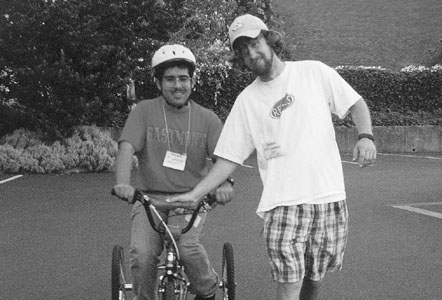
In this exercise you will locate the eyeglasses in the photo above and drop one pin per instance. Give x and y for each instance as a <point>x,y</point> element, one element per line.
<point>171,80</point>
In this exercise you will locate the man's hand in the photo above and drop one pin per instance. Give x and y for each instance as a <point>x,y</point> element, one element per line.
<point>186,200</point>
<point>224,193</point>
<point>364,152</point>
<point>125,192</point>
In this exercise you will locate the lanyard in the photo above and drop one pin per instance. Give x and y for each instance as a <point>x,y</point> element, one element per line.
<point>188,129</point>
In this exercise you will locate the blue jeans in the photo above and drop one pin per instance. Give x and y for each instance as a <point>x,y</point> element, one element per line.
<point>146,248</point>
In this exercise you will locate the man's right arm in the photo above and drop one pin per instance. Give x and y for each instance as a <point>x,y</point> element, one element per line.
<point>123,168</point>
<point>217,175</point>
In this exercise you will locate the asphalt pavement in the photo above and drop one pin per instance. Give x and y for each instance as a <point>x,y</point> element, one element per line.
<point>57,234</point>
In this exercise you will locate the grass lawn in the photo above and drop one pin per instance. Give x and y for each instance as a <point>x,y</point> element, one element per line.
<point>387,33</point>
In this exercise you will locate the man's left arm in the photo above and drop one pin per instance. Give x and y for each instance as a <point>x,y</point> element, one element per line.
<point>364,151</point>
<point>224,192</point>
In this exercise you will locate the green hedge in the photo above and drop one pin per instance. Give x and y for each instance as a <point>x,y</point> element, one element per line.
<point>417,90</point>
<point>412,96</point>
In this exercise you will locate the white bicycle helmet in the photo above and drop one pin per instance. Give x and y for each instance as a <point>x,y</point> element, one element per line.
<point>172,53</point>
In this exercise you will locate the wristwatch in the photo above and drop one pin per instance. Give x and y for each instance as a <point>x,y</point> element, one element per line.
<point>366,136</point>
<point>231,181</point>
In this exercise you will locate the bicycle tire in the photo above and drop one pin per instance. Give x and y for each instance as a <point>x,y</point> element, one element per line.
<point>228,272</point>
<point>169,290</point>
<point>118,274</point>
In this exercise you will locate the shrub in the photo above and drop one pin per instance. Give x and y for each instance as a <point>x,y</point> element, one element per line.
<point>10,159</point>
<point>93,148</point>
<point>21,139</point>
<point>49,161</point>
<point>89,148</point>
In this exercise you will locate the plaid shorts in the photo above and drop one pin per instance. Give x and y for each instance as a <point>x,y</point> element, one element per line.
<point>306,241</point>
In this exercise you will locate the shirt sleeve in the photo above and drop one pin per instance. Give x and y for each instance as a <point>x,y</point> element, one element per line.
<point>215,127</point>
<point>134,129</point>
<point>235,143</point>
<point>342,95</point>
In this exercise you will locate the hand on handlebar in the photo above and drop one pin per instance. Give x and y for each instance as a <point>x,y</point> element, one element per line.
<point>224,194</point>
<point>178,207</point>
<point>186,200</point>
<point>125,192</point>
<point>179,203</point>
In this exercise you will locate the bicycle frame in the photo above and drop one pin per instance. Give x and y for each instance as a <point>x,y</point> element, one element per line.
<point>173,281</point>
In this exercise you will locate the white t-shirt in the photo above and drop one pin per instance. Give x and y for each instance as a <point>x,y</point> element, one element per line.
<point>291,115</point>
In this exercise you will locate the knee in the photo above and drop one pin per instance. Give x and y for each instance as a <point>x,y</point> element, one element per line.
<point>144,255</point>
<point>190,249</point>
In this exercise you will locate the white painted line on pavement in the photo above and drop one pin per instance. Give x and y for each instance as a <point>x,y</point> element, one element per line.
<point>11,178</point>
<point>424,204</point>
<point>419,211</point>
<point>350,162</point>
<point>413,156</point>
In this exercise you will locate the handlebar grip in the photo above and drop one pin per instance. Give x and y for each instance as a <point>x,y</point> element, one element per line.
<point>211,198</point>
<point>113,193</point>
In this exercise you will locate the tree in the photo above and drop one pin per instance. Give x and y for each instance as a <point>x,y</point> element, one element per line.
<point>66,62</point>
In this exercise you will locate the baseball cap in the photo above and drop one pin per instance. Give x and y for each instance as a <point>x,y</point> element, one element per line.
<point>246,25</point>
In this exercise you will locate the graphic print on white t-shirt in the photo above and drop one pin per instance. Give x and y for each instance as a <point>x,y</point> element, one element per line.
<point>281,105</point>
<point>273,146</point>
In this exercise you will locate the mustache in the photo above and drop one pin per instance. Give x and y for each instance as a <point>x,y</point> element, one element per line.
<point>179,90</point>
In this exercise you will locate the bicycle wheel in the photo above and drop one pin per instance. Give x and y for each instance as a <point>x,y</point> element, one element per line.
<point>118,281</point>
<point>169,290</point>
<point>228,273</point>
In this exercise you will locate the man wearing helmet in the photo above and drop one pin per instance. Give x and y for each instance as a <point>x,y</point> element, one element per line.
<point>172,137</point>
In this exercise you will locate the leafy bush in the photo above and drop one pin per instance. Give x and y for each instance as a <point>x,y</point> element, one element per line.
<point>412,96</point>
<point>12,160</point>
<point>22,139</point>
<point>89,148</point>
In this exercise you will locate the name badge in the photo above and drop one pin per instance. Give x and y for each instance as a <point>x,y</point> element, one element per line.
<point>175,161</point>
<point>272,150</point>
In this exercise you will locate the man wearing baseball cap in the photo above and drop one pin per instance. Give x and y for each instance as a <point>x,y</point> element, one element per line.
<point>285,114</point>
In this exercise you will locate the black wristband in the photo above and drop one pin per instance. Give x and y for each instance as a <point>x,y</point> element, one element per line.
<point>230,180</point>
<point>366,136</point>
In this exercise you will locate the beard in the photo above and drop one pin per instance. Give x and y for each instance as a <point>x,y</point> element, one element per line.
<point>262,66</point>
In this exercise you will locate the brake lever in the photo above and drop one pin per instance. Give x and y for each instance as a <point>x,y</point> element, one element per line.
<point>138,196</point>
<point>208,202</point>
